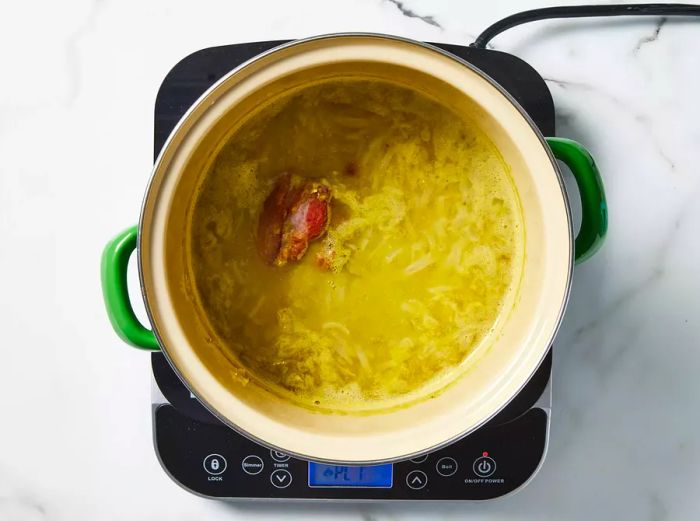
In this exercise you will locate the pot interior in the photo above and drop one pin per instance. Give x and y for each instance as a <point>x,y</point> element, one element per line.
<point>495,372</point>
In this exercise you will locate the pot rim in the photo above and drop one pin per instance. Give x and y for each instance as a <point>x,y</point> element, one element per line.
<point>184,120</point>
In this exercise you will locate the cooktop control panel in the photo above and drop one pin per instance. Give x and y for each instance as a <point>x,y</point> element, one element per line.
<point>215,461</point>
<point>206,457</point>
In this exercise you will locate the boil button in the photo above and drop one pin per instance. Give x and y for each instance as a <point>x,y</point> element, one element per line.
<point>484,466</point>
<point>446,466</point>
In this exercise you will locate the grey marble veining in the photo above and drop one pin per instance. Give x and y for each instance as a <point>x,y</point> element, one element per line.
<point>76,105</point>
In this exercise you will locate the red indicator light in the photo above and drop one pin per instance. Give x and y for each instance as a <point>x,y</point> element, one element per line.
<point>485,454</point>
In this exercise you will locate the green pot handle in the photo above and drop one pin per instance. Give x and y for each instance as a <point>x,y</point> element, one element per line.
<point>594,209</point>
<point>115,260</point>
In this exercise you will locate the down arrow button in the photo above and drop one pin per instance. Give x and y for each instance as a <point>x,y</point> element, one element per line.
<point>281,478</point>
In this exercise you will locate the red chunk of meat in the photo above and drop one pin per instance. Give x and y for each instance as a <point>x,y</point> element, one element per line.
<point>272,216</point>
<point>294,214</point>
<point>316,217</point>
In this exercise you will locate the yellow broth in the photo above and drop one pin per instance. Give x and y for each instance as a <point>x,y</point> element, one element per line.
<point>426,228</point>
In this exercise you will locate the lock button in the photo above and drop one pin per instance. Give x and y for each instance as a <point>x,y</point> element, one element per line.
<point>215,464</point>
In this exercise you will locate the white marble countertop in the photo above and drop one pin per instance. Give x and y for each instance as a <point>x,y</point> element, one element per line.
<point>76,104</point>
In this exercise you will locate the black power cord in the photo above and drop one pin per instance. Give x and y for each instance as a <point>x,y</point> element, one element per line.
<point>584,11</point>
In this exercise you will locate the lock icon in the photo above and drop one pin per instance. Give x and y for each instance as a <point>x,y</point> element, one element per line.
<point>215,464</point>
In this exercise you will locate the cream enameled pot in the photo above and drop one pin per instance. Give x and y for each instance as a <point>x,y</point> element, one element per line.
<point>494,377</point>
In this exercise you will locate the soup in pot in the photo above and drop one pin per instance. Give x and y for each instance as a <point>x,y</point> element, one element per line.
<point>355,244</point>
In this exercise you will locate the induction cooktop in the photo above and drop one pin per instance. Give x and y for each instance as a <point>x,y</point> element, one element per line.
<point>209,459</point>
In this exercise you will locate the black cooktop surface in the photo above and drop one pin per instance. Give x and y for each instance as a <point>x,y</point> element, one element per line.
<point>208,458</point>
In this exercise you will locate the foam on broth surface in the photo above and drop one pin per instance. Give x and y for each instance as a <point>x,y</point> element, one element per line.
<point>426,234</point>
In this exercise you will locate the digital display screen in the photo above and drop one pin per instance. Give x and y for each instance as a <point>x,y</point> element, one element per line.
<point>374,476</point>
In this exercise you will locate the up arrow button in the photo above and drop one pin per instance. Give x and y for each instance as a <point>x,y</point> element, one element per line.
<point>416,479</point>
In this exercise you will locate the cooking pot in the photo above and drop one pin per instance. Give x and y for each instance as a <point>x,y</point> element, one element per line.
<point>491,379</point>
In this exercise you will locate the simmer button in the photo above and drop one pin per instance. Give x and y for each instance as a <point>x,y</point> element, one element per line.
<point>252,464</point>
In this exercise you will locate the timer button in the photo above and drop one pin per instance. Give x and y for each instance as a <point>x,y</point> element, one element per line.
<point>281,478</point>
<point>484,466</point>
<point>446,466</point>
<point>416,479</point>
<point>215,464</point>
<point>252,465</point>
<point>420,459</point>
<point>279,456</point>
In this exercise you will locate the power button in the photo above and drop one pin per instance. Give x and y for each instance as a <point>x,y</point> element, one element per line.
<point>484,466</point>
